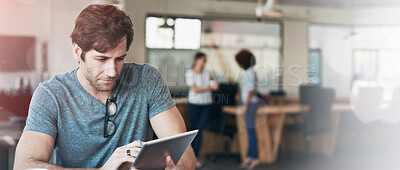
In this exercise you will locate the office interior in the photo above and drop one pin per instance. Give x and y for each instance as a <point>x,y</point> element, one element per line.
<point>350,47</point>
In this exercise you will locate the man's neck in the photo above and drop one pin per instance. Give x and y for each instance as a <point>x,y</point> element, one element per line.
<point>98,95</point>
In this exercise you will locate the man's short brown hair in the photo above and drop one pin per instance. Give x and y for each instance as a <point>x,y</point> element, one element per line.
<point>102,28</point>
<point>245,59</point>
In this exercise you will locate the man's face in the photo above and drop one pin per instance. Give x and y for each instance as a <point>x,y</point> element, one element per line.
<point>101,70</point>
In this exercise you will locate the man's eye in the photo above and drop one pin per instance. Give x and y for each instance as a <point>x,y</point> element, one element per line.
<point>102,59</point>
<point>120,59</point>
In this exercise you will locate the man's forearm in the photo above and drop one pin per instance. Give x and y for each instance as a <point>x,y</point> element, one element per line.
<point>40,164</point>
<point>200,90</point>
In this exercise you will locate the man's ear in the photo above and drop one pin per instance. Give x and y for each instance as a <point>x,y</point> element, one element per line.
<point>77,52</point>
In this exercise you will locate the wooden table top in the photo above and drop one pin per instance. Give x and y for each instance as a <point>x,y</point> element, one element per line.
<point>338,98</point>
<point>285,109</point>
<point>288,99</point>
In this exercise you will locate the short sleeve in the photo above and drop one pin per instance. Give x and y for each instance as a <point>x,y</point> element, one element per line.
<point>159,97</point>
<point>43,111</point>
<point>251,80</point>
<point>189,78</point>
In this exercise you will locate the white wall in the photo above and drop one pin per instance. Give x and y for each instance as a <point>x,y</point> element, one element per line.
<point>336,56</point>
<point>49,21</point>
<point>295,54</point>
<point>25,18</point>
<point>64,13</point>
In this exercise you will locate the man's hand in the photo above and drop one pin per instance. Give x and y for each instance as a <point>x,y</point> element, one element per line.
<point>169,163</point>
<point>121,156</point>
<point>214,87</point>
<point>163,127</point>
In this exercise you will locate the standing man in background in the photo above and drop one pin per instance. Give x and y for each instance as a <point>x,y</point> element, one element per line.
<point>90,116</point>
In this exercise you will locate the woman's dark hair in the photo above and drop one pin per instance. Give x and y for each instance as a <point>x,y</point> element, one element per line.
<point>102,28</point>
<point>245,59</point>
<point>197,56</point>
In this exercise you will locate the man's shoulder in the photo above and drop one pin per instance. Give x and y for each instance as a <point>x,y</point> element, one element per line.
<point>142,70</point>
<point>144,66</point>
<point>60,81</point>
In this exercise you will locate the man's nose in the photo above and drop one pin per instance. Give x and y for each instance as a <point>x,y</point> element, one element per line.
<point>111,69</point>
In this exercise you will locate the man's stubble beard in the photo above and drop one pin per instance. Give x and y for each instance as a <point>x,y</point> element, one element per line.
<point>98,87</point>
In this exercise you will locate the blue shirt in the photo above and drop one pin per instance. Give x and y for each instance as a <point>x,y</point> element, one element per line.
<point>63,109</point>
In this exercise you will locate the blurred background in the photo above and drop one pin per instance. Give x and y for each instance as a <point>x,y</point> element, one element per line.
<point>349,46</point>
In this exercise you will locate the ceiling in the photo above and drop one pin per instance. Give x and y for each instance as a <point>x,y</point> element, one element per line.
<point>342,4</point>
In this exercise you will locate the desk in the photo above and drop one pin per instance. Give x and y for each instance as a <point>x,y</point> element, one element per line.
<point>269,135</point>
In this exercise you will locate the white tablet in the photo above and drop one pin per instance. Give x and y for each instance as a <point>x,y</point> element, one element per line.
<point>153,153</point>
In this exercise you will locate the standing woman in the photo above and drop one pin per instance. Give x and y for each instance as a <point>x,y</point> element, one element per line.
<point>200,99</point>
<point>249,102</point>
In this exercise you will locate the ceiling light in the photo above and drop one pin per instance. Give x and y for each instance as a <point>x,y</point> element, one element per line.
<point>165,25</point>
<point>353,35</point>
<point>269,10</point>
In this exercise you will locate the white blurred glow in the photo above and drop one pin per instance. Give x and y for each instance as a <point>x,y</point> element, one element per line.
<point>367,67</point>
<point>365,99</point>
<point>353,35</point>
<point>158,37</point>
<point>187,33</point>
<point>170,21</point>
<point>369,105</point>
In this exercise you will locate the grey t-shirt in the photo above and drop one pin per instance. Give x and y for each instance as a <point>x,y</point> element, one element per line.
<point>64,110</point>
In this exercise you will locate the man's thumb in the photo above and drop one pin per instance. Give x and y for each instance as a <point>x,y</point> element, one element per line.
<point>170,163</point>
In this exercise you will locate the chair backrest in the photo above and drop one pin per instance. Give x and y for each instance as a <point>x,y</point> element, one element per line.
<point>318,119</point>
<point>218,121</point>
<point>225,95</point>
<point>307,93</point>
<point>366,104</point>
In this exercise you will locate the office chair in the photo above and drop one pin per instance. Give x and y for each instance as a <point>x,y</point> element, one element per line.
<point>317,119</point>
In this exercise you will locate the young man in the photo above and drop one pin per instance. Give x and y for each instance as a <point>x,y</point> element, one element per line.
<point>90,116</point>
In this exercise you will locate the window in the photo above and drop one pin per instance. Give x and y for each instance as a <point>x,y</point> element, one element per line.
<point>170,33</point>
<point>365,63</point>
<point>156,37</point>
<point>314,68</point>
<point>187,33</point>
